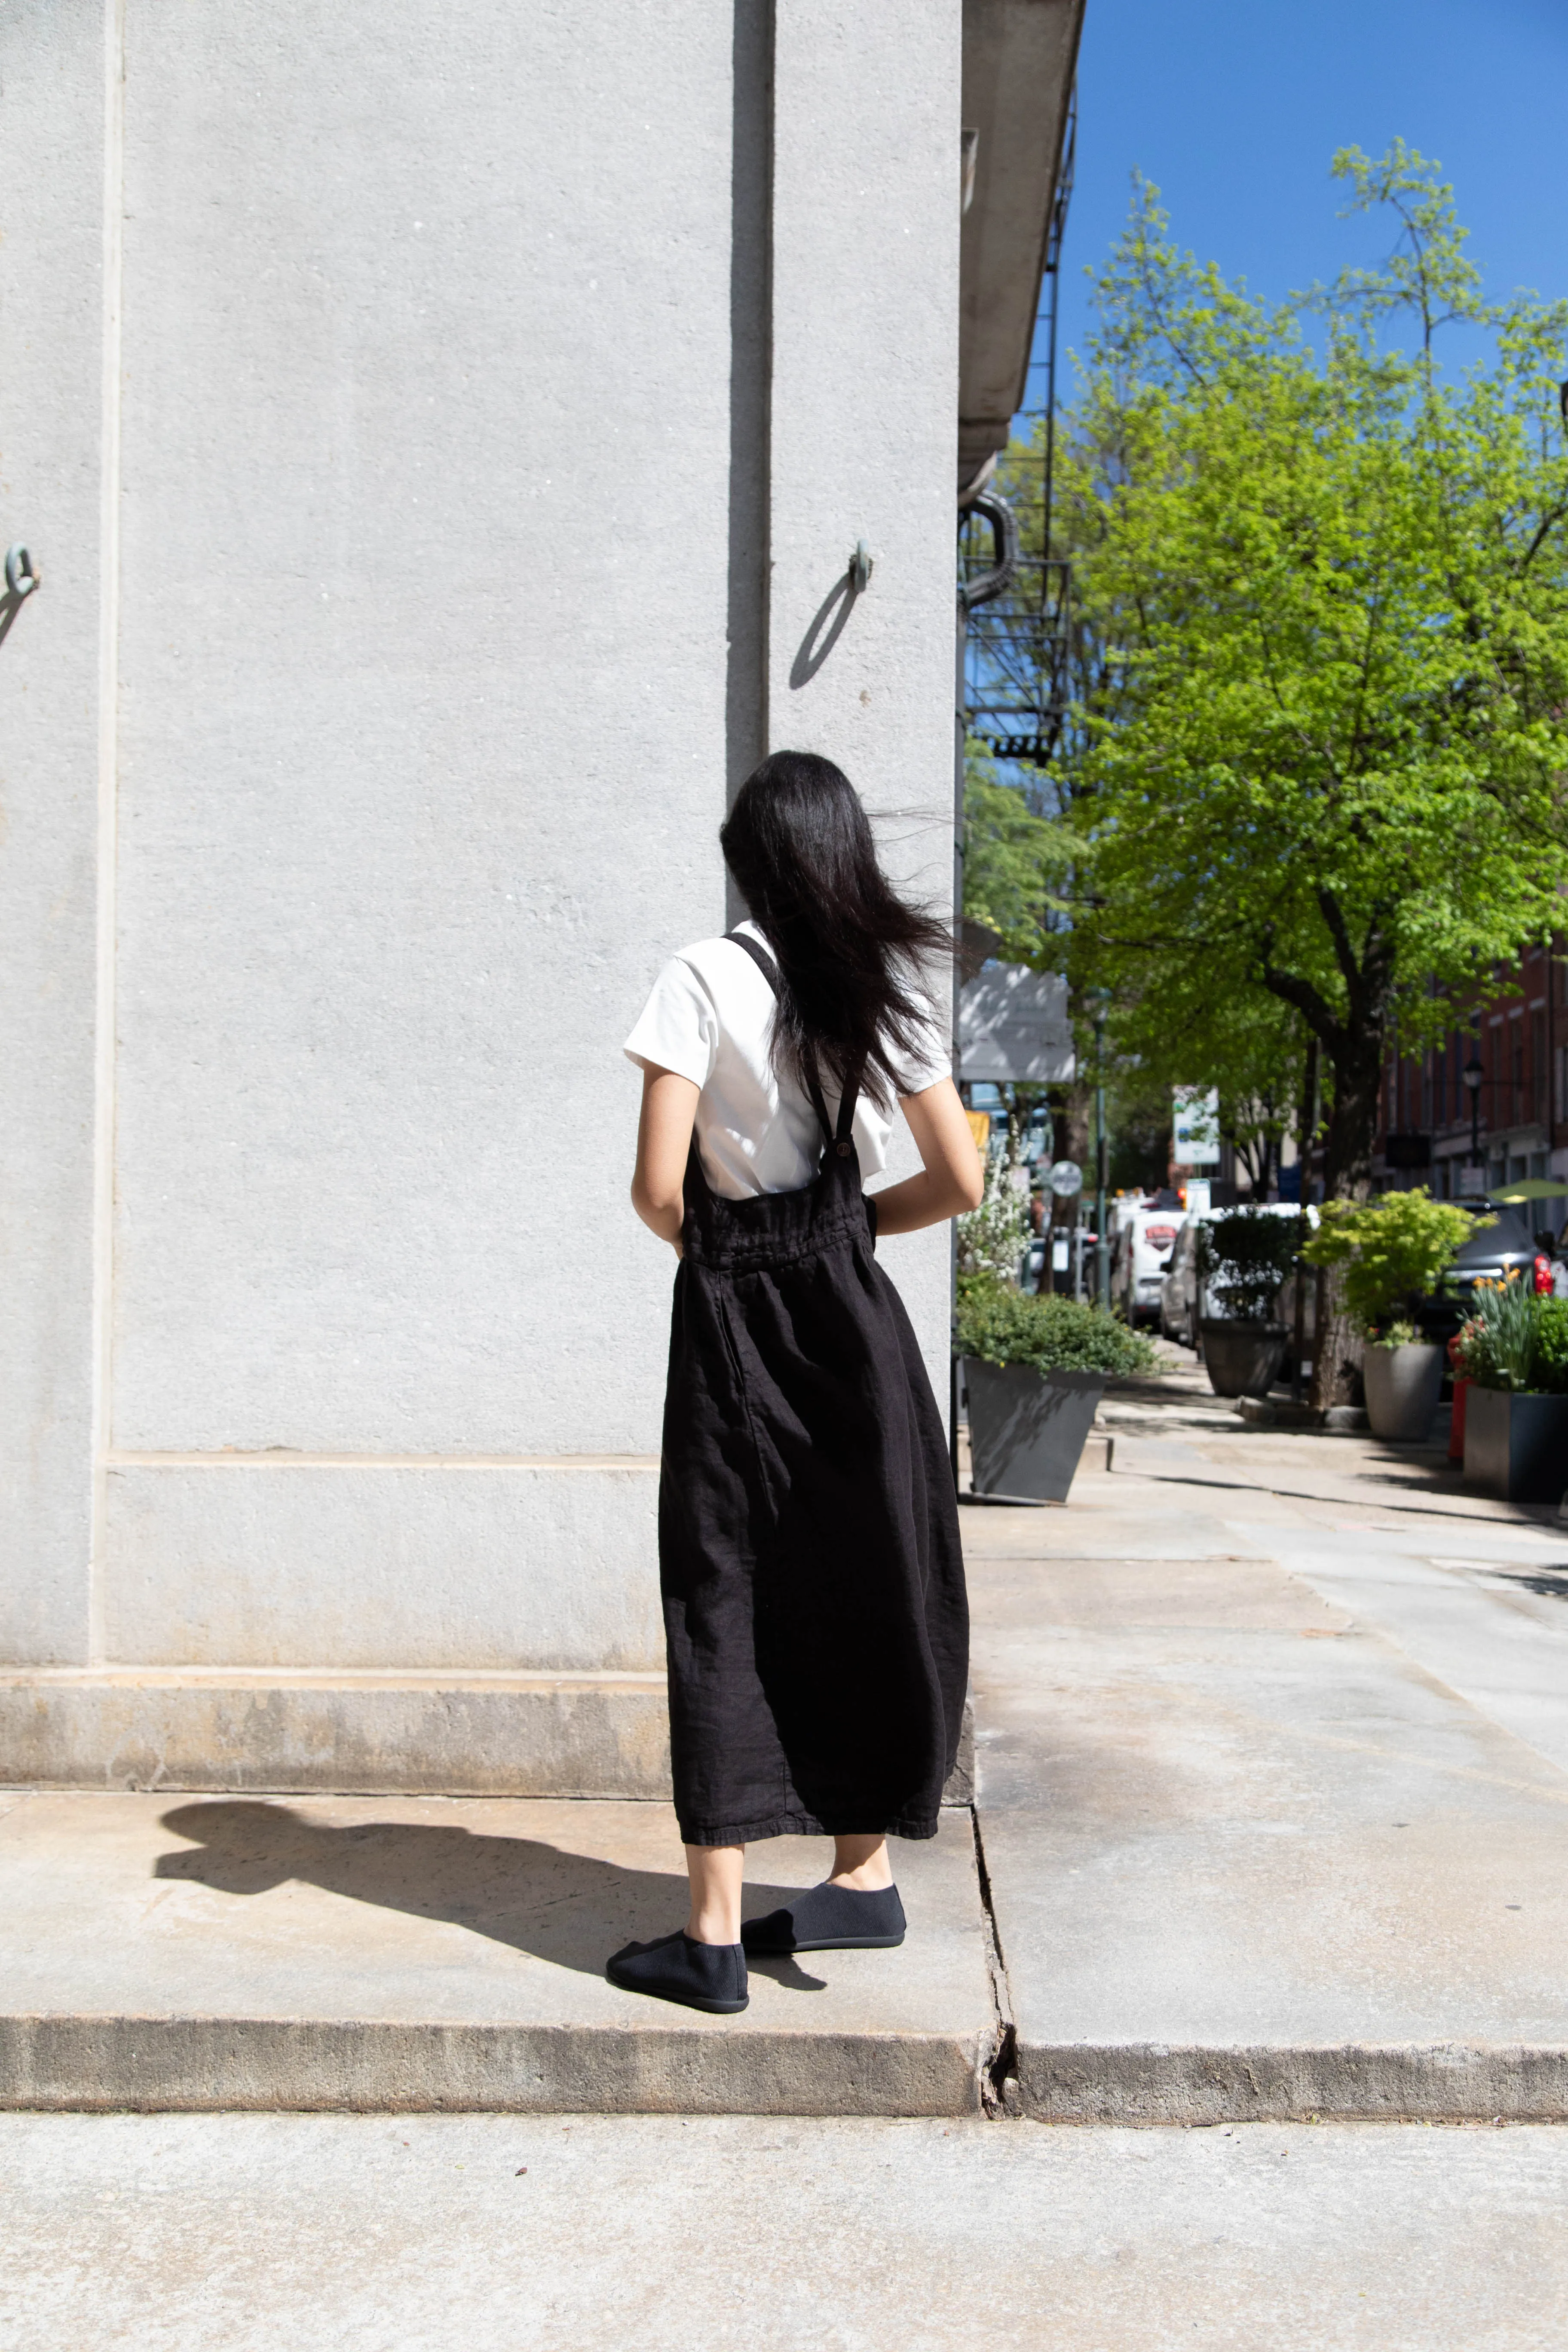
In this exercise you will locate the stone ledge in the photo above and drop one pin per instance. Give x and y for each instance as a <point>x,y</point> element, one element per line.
<point>458,1735</point>
<point>370,1732</point>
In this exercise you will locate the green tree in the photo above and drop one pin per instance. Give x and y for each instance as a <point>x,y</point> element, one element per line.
<point>1322,728</point>
<point>1015,865</point>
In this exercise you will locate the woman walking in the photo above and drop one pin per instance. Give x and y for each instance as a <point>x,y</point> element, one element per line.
<point>813,1601</point>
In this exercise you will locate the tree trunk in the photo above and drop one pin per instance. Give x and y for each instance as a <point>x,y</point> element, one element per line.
<point>1354,1046</point>
<point>1309,1114</point>
<point>1347,1176</point>
<point>1072,1143</point>
<point>1352,1120</point>
<point>1336,1347</point>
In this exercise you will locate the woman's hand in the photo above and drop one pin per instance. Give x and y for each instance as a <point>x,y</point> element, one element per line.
<point>952,1177</point>
<point>664,1139</point>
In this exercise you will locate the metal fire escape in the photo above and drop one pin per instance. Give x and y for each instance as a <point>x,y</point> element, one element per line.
<point>1016,594</point>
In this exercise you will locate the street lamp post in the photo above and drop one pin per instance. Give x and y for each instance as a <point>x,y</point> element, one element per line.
<point>1474,1076</point>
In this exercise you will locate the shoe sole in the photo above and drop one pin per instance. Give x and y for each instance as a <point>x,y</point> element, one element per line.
<point>680,2000</point>
<point>825,1944</point>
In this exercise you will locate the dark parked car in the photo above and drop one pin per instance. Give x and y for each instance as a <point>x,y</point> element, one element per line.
<point>1509,1245</point>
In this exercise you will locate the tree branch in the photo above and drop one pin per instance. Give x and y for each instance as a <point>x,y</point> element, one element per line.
<point>1344,954</point>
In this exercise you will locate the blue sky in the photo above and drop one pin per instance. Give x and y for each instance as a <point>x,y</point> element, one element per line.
<point>1235,106</point>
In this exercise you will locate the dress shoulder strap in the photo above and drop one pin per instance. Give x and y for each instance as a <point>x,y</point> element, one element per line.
<point>770,972</point>
<point>759,956</point>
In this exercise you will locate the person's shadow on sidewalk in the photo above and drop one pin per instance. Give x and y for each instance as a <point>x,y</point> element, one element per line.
<point>565,1907</point>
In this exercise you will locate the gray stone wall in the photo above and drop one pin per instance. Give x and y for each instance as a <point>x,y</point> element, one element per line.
<point>439,431</point>
<point>52,107</point>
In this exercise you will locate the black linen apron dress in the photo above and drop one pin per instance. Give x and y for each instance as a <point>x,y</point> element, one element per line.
<point>815,1617</point>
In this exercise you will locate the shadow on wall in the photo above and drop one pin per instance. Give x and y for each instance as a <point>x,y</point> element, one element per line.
<point>827,626</point>
<point>568,1908</point>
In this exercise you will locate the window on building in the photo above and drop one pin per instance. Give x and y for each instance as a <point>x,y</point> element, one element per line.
<point>1538,1106</point>
<point>1562,1082</point>
<point>1516,1068</point>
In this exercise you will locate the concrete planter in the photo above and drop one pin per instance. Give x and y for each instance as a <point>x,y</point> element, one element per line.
<point>1243,1359</point>
<point>1026,1429</point>
<point>1402,1388</point>
<point>1517,1446</point>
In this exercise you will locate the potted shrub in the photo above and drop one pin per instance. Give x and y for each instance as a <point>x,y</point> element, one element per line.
<point>1035,1368</point>
<point>1243,1259</point>
<point>1391,1253</point>
<point>1513,1350</point>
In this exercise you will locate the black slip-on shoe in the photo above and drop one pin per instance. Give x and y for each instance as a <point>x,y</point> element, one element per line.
<point>830,1918</point>
<point>701,1975</point>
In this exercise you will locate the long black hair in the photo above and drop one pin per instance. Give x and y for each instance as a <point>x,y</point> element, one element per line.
<point>848,948</point>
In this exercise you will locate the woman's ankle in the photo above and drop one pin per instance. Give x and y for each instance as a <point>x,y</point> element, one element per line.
<point>716,1875</point>
<point>703,1927</point>
<point>861,1873</point>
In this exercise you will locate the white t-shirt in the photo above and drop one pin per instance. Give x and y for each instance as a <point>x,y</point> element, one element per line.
<point>709,1019</point>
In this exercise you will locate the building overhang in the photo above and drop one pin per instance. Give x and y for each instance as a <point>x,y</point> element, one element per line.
<point>1019,60</point>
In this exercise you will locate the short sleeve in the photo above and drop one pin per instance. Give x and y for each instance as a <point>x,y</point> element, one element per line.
<point>678,1028</point>
<point>932,1061</point>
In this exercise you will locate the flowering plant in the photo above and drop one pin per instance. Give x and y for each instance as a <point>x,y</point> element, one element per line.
<point>1514,1338</point>
<point>992,1238</point>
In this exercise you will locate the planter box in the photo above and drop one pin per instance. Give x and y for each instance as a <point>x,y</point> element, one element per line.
<point>1026,1429</point>
<point>1517,1446</point>
<point>1243,1359</point>
<point>1402,1388</point>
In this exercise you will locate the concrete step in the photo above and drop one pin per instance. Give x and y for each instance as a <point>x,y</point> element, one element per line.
<point>460,1732</point>
<point>433,1953</point>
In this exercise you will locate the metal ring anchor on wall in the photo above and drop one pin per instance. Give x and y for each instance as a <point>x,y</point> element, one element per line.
<point>21,573</point>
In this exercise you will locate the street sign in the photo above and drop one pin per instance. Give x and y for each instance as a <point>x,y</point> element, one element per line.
<point>1065,1178</point>
<point>1472,1182</point>
<point>1194,1126</point>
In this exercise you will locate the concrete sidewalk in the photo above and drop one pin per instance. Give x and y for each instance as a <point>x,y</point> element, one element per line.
<point>1272,1772</point>
<point>730,2234</point>
<point>1272,1764</point>
<point>410,1953</point>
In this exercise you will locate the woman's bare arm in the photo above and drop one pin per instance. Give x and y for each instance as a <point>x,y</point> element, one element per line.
<point>663,1138</point>
<point>952,1177</point>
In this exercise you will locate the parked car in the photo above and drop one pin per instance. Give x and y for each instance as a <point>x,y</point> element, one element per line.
<point>1509,1245</point>
<point>1490,1256</point>
<point>1179,1285</point>
<point>1179,1288</point>
<point>1145,1239</point>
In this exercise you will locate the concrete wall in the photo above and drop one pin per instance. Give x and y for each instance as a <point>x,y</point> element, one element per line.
<point>52,101</point>
<point>864,390</point>
<point>483,402</point>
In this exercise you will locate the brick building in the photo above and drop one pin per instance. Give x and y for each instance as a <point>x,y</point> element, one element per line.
<point>1519,1033</point>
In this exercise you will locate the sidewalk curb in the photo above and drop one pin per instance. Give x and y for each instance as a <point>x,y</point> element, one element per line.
<point>171,2065</point>
<point>1440,2082</point>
